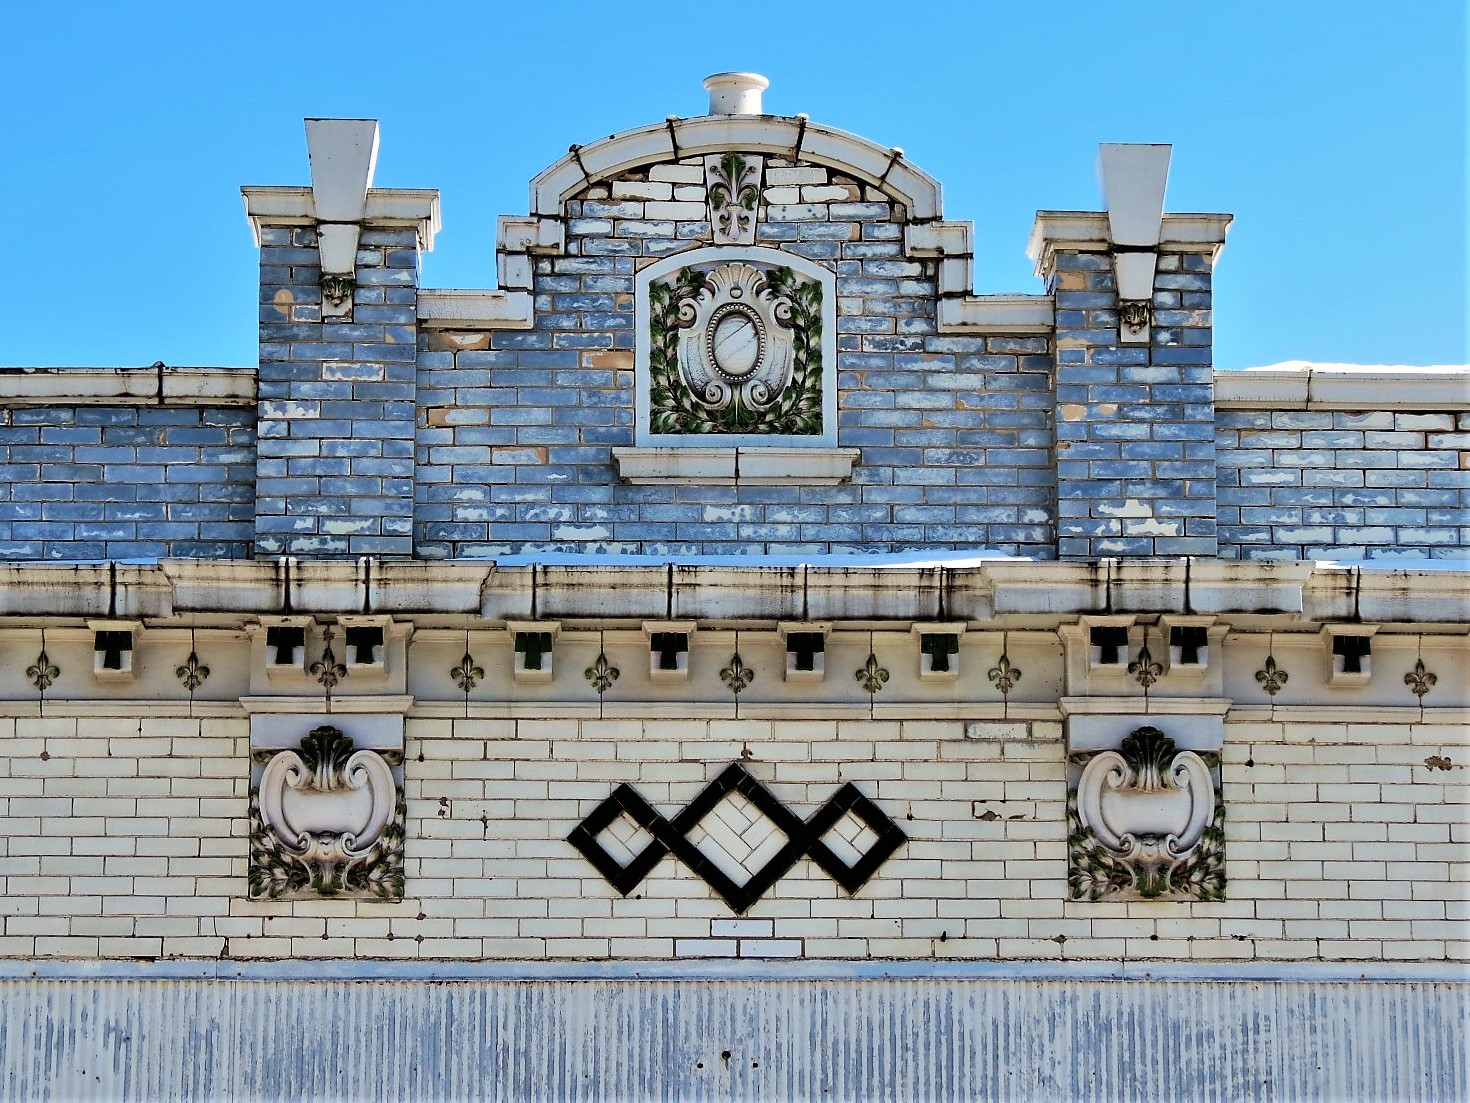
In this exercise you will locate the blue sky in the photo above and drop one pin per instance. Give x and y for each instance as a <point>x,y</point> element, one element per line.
<point>1335,132</point>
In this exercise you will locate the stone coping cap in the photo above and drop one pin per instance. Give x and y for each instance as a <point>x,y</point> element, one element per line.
<point>1088,232</point>
<point>1297,385</point>
<point>296,206</point>
<point>794,137</point>
<point>1301,385</point>
<point>155,384</point>
<point>1040,593</point>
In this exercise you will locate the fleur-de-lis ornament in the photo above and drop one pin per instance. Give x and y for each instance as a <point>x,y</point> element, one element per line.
<point>43,672</point>
<point>871,675</point>
<point>467,675</point>
<point>602,674</point>
<point>193,673</point>
<point>1004,675</point>
<point>1144,670</point>
<point>732,197</point>
<point>328,671</point>
<point>737,675</point>
<point>1420,680</point>
<point>1271,679</point>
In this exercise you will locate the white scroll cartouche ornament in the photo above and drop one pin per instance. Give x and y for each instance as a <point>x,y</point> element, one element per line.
<point>1149,804</point>
<point>737,344</point>
<point>327,812</point>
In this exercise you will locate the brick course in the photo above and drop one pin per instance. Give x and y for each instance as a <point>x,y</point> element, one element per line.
<point>1135,434</point>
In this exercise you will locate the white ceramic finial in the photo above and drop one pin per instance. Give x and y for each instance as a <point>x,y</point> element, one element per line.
<point>735,93</point>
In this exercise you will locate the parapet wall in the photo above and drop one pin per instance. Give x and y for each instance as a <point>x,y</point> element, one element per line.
<point>110,464</point>
<point>98,467</point>
<point>1344,464</point>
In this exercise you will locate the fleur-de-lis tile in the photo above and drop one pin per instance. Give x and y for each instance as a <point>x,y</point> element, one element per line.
<point>43,672</point>
<point>1419,680</point>
<point>467,675</point>
<point>1144,670</point>
<point>602,674</point>
<point>871,676</point>
<point>1004,675</point>
<point>737,675</point>
<point>1270,677</point>
<point>192,673</point>
<point>328,671</point>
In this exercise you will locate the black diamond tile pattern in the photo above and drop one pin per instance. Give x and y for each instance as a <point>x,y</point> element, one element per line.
<point>671,836</point>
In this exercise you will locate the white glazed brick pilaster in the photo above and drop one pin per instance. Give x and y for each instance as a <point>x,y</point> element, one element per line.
<point>1344,843</point>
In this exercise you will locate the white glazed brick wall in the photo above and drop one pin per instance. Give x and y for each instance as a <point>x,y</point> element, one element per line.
<point>127,838</point>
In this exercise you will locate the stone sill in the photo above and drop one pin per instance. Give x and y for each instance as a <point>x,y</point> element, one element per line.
<point>470,309</point>
<point>735,466</point>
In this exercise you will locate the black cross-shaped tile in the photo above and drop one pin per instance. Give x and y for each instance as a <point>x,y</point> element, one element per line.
<point>533,645</point>
<point>1109,641</point>
<point>112,645</point>
<point>1353,649</point>
<point>669,646</point>
<point>939,646</point>
<point>285,640</point>
<point>363,643</point>
<point>806,646</point>
<point>1190,639</point>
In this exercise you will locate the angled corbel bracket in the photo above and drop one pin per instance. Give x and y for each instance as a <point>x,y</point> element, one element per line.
<point>114,643</point>
<point>278,646</point>
<point>1109,643</point>
<point>1349,653</point>
<point>939,649</point>
<point>1189,642</point>
<point>368,641</point>
<point>343,153</point>
<point>1133,181</point>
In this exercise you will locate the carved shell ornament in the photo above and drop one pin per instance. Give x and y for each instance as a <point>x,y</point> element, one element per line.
<point>1149,805</point>
<point>328,805</point>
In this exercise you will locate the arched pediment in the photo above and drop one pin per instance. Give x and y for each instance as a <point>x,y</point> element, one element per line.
<point>794,138</point>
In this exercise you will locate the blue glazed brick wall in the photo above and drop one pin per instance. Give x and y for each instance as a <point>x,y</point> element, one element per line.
<point>334,474</point>
<point>1135,422</point>
<point>126,482</point>
<point>1302,484</point>
<point>515,428</point>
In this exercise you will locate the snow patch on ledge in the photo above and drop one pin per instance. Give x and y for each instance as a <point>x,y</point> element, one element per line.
<point>1405,562</point>
<point>969,557</point>
<point>1314,366</point>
